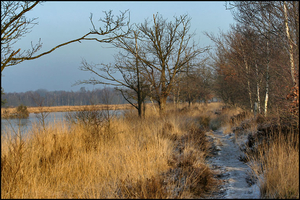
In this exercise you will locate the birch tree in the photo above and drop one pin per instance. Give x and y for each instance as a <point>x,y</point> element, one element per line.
<point>292,41</point>
<point>273,20</point>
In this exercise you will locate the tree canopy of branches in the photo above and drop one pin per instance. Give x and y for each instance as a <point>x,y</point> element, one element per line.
<point>194,85</point>
<point>167,50</point>
<point>279,18</point>
<point>131,85</point>
<point>257,60</point>
<point>162,50</point>
<point>15,25</point>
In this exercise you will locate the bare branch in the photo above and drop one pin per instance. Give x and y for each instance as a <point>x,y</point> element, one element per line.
<point>14,25</point>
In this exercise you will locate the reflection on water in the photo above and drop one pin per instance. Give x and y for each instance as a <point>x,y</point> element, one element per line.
<point>14,125</point>
<point>24,125</point>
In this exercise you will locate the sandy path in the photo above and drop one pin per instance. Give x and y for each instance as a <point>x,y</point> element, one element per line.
<point>230,170</point>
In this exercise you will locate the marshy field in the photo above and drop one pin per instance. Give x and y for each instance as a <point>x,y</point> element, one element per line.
<point>159,156</point>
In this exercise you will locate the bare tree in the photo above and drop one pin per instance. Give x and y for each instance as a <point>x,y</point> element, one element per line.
<point>194,84</point>
<point>230,68</point>
<point>153,56</point>
<point>15,25</point>
<point>131,85</point>
<point>255,55</point>
<point>273,19</point>
<point>166,49</point>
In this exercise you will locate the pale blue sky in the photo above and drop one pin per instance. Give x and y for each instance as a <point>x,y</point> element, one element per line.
<point>63,21</point>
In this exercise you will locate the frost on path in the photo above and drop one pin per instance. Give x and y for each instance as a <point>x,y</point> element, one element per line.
<point>230,170</point>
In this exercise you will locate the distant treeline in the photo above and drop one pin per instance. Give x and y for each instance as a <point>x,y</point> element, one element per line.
<point>42,97</point>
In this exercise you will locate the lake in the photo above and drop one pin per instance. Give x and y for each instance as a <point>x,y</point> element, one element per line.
<point>26,124</point>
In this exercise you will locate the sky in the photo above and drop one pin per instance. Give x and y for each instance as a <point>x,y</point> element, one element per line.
<point>60,21</point>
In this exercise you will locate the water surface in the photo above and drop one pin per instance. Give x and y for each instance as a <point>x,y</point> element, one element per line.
<point>24,125</point>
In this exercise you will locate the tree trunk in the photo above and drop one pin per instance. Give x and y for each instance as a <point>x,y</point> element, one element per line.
<point>267,92</point>
<point>267,81</point>
<point>144,109</point>
<point>248,81</point>
<point>162,104</point>
<point>163,92</point>
<point>257,88</point>
<point>248,86</point>
<point>290,45</point>
<point>151,99</point>
<point>138,78</point>
<point>250,95</point>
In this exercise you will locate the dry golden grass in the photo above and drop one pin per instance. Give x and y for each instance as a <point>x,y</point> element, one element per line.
<point>76,163</point>
<point>124,158</point>
<point>70,108</point>
<point>277,167</point>
<point>274,160</point>
<point>222,119</point>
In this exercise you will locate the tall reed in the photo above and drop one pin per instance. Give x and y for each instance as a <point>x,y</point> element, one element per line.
<point>123,159</point>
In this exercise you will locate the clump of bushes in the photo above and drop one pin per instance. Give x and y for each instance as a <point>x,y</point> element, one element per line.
<point>204,121</point>
<point>20,113</point>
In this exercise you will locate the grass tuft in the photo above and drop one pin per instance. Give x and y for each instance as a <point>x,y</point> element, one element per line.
<point>125,157</point>
<point>278,171</point>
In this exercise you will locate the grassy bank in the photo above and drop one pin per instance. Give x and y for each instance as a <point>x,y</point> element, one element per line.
<point>271,150</point>
<point>69,108</point>
<point>158,157</point>
<point>278,168</point>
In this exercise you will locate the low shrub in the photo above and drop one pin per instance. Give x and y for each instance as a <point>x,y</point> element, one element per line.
<point>21,112</point>
<point>204,121</point>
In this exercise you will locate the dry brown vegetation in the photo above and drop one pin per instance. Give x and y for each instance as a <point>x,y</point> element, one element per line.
<point>156,157</point>
<point>272,152</point>
<point>276,165</point>
<point>70,108</point>
<point>271,149</point>
<point>126,157</point>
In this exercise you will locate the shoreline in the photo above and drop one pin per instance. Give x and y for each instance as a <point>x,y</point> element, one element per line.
<point>70,108</point>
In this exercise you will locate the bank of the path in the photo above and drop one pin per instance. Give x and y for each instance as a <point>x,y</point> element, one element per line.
<point>229,169</point>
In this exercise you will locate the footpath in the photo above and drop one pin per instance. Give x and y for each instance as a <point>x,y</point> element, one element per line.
<point>233,173</point>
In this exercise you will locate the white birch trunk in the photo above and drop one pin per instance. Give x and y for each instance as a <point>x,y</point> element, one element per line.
<point>267,81</point>
<point>250,96</point>
<point>290,44</point>
<point>248,81</point>
<point>267,92</point>
<point>257,88</point>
